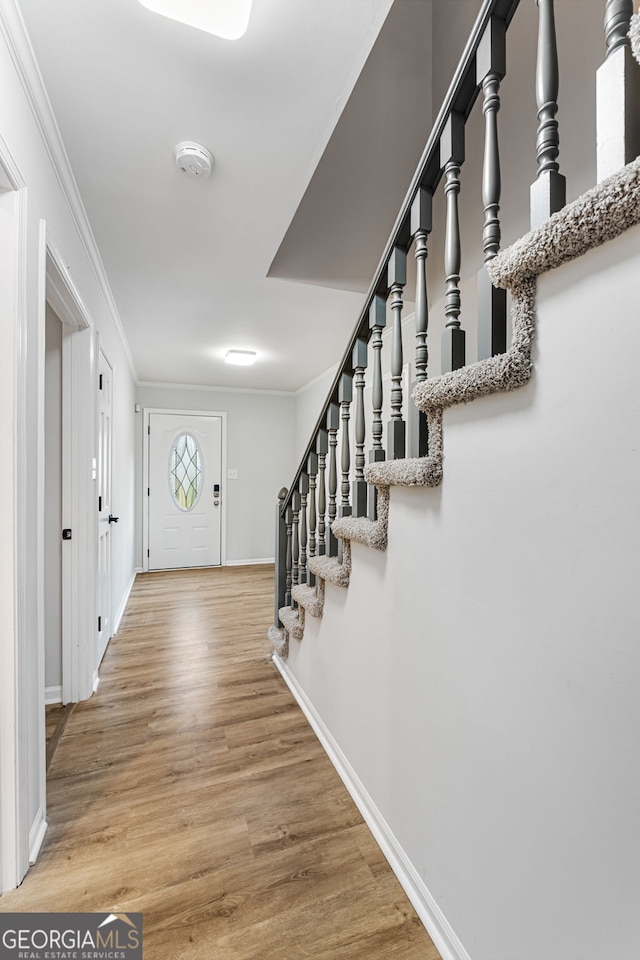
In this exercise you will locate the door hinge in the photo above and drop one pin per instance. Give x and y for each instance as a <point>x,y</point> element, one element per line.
<point>147,554</point>
<point>148,491</point>
<point>99,624</point>
<point>99,504</point>
<point>100,382</point>
<point>149,429</point>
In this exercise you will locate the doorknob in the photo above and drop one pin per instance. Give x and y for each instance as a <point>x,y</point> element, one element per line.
<point>113,519</point>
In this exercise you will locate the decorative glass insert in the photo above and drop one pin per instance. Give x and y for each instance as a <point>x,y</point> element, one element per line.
<point>185,471</point>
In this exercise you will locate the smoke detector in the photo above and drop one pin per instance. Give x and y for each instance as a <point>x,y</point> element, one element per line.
<point>194,160</point>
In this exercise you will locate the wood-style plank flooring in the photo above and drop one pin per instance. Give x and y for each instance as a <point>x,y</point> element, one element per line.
<point>192,789</point>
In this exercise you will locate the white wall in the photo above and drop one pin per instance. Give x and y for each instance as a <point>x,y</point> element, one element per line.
<point>260,446</point>
<point>481,676</point>
<point>309,402</point>
<point>35,154</point>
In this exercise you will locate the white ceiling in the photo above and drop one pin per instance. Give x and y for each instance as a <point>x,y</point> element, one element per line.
<point>188,261</point>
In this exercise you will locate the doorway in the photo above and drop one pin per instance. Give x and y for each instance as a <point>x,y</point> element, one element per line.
<point>184,490</point>
<point>106,518</point>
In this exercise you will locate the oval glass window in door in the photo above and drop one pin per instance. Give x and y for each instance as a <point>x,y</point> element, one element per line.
<point>185,471</point>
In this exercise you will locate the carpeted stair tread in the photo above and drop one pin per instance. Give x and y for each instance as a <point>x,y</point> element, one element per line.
<point>279,640</point>
<point>311,598</point>
<point>329,568</point>
<point>292,619</point>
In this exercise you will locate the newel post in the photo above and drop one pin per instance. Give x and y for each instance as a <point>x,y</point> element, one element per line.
<point>281,557</point>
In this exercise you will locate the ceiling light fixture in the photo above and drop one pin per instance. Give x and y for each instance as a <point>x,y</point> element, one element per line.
<point>241,358</point>
<point>224,18</point>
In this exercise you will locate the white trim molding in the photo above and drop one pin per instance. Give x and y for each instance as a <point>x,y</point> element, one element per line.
<point>36,835</point>
<point>436,924</point>
<point>117,620</point>
<point>52,695</point>
<point>249,563</point>
<point>20,659</point>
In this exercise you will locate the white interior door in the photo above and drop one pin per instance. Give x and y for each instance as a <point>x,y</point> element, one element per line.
<point>184,494</point>
<point>105,516</point>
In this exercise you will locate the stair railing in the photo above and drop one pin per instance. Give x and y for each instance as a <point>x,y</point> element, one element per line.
<point>330,481</point>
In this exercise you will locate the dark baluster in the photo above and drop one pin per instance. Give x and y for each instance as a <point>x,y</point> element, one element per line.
<point>333,422</point>
<point>304,492</point>
<point>312,471</point>
<point>617,93</point>
<point>295,540</point>
<point>421,222</point>
<point>452,156</point>
<point>377,321</point>
<point>396,427</point>
<point>281,556</point>
<point>617,17</point>
<point>548,192</point>
<point>492,303</point>
<point>289,559</point>
<point>345,396</point>
<point>322,448</point>
<point>359,360</point>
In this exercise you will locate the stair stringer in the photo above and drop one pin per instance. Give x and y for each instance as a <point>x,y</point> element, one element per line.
<point>600,214</point>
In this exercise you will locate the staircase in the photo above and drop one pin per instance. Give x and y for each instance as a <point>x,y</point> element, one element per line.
<point>474,762</point>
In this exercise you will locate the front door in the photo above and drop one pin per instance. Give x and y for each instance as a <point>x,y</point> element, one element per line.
<point>184,495</point>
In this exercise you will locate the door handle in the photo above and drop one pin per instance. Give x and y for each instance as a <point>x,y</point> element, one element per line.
<point>113,519</point>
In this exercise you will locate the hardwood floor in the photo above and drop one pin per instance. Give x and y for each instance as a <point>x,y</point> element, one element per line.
<point>192,789</point>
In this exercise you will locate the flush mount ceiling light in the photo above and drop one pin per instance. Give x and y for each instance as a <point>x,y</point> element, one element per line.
<point>241,358</point>
<point>223,18</point>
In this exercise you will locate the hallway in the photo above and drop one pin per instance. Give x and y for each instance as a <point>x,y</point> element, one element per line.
<point>192,789</point>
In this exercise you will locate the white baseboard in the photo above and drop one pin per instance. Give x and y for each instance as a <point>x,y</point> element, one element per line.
<point>36,835</point>
<point>52,695</point>
<point>249,563</point>
<point>125,599</point>
<point>436,924</point>
<point>96,680</point>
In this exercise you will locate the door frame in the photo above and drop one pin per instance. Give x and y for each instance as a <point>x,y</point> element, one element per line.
<point>100,650</point>
<point>146,413</point>
<point>78,471</point>
<point>18,839</point>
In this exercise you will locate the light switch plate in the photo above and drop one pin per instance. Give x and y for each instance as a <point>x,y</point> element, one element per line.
<point>232,474</point>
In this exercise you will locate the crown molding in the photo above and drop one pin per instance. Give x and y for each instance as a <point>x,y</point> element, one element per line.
<point>160,385</point>
<point>14,31</point>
